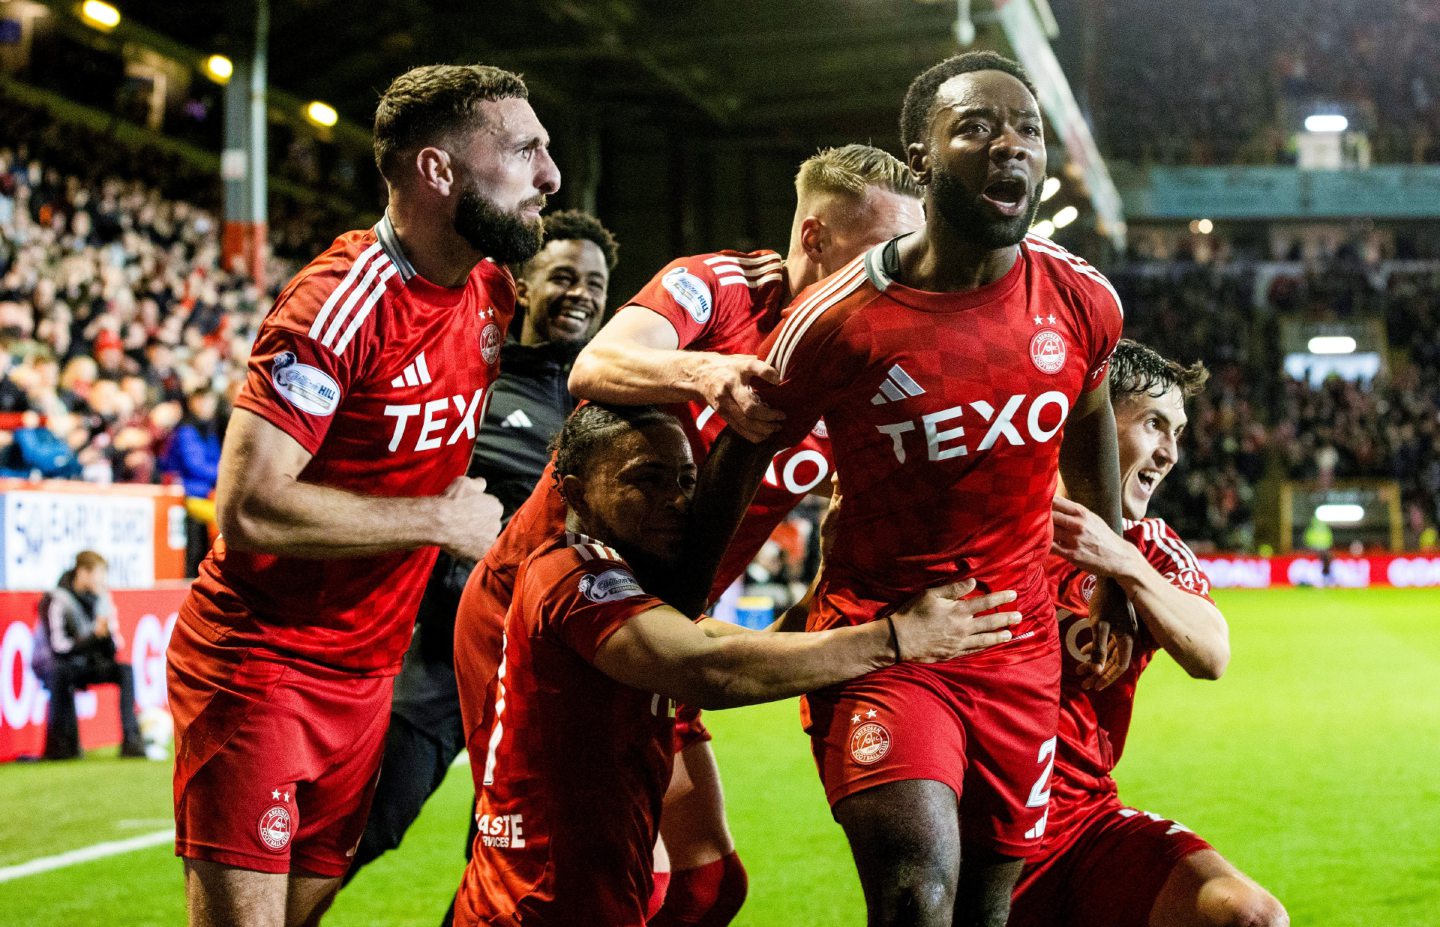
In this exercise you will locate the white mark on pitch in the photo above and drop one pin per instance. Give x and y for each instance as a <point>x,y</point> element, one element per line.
<point>85,855</point>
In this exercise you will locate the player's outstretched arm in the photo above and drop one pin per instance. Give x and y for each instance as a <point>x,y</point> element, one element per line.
<point>1189,628</point>
<point>636,359</point>
<point>1090,467</point>
<point>660,651</point>
<point>723,490</point>
<point>262,505</point>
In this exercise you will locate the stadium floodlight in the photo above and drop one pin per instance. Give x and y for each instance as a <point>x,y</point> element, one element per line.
<point>219,68</point>
<point>1065,216</point>
<point>1052,187</point>
<point>1332,344</point>
<point>1339,513</point>
<point>1326,122</point>
<point>322,114</point>
<point>1044,228</point>
<point>1204,226</point>
<point>100,15</point>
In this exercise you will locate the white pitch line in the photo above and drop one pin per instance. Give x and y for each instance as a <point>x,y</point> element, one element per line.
<point>86,854</point>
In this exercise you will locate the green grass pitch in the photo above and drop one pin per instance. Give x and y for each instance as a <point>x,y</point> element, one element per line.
<point>1311,765</point>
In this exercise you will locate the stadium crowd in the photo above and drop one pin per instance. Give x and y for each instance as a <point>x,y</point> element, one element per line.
<point>1217,82</point>
<point>117,317</point>
<point>1254,422</point>
<point>120,324</point>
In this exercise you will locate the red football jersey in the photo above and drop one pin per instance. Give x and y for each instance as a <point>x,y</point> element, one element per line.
<point>570,788</point>
<point>1093,725</point>
<point>718,301</point>
<point>727,303</point>
<point>383,377</point>
<point>945,412</point>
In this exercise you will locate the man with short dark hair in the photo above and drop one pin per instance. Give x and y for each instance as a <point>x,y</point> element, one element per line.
<point>75,647</point>
<point>342,472</point>
<point>561,295</point>
<point>1104,864</point>
<point>959,370</point>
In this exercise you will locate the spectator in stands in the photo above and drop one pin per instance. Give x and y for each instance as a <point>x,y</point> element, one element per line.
<point>193,457</point>
<point>75,647</point>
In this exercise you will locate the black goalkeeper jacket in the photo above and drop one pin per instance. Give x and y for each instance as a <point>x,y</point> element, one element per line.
<point>528,404</point>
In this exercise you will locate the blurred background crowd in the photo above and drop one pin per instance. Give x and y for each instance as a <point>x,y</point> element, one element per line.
<point>1225,81</point>
<point>124,334</point>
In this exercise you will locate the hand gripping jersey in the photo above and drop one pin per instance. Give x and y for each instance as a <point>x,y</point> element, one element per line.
<point>570,786</point>
<point>945,412</point>
<point>726,302</point>
<point>1093,725</point>
<point>383,377</point>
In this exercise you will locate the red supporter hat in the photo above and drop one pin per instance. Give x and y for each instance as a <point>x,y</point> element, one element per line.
<point>107,340</point>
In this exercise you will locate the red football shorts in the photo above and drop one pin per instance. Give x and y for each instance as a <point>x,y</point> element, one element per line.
<point>690,729</point>
<point>275,760</point>
<point>1108,873</point>
<point>986,731</point>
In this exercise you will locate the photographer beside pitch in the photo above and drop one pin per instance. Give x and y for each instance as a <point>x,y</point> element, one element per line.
<point>1171,878</point>
<point>570,790</point>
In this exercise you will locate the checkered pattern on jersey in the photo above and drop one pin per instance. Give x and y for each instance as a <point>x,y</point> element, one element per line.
<point>945,413</point>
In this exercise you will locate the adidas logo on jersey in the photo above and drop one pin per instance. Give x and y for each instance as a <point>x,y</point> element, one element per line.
<point>898,385</point>
<point>517,419</point>
<point>416,373</point>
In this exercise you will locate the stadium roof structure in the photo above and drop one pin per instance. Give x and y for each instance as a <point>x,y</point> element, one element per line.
<point>817,71</point>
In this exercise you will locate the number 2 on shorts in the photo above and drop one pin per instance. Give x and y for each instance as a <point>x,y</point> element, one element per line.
<point>1040,791</point>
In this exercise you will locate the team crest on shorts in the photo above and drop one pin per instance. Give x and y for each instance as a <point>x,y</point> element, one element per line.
<point>275,827</point>
<point>1047,351</point>
<point>1087,587</point>
<point>869,743</point>
<point>490,343</point>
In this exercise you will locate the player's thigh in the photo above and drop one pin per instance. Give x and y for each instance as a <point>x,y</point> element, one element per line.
<point>1145,847</point>
<point>1010,715</point>
<point>693,823</point>
<point>905,838</point>
<point>308,897</point>
<point>217,895</point>
<point>986,881</point>
<point>1206,890</point>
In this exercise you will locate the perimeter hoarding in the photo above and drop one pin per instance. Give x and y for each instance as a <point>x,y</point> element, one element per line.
<point>146,617</point>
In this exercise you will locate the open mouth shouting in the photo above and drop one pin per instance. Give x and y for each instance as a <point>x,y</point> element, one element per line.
<point>1007,194</point>
<point>1147,479</point>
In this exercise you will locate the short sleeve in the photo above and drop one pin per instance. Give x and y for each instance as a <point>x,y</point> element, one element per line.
<point>816,365</point>
<point>684,293</point>
<point>587,596</point>
<point>1173,559</point>
<point>302,365</point>
<point>1107,320</point>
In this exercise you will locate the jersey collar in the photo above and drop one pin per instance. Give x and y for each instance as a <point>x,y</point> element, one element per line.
<point>390,242</point>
